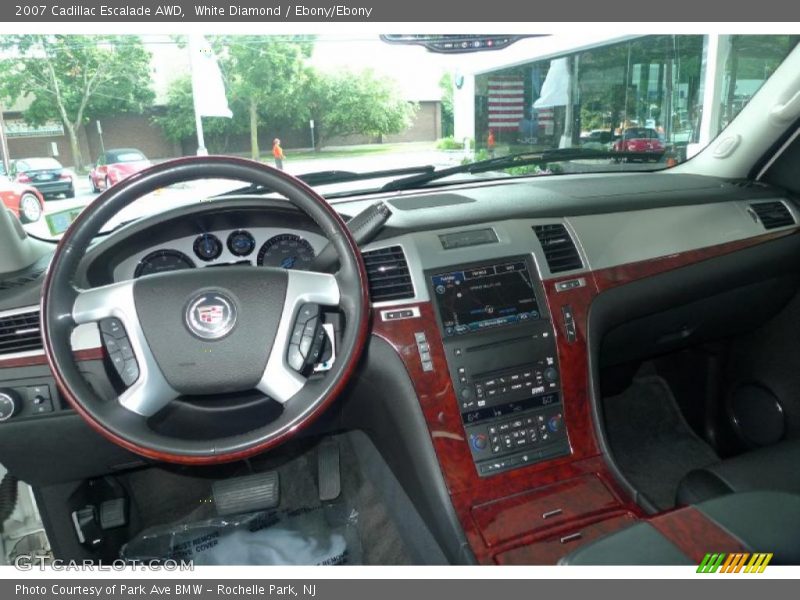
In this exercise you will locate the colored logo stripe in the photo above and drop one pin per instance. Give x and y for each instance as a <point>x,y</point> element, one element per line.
<point>733,563</point>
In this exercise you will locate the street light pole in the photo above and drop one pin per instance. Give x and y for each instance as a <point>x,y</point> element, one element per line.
<point>194,49</point>
<point>4,142</point>
<point>100,134</point>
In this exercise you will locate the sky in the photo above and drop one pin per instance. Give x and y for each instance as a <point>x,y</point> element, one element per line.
<point>416,71</point>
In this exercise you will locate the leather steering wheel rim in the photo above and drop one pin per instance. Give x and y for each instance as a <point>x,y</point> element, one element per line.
<point>61,298</point>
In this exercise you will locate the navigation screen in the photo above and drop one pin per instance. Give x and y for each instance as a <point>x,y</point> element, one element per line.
<point>478,298</point>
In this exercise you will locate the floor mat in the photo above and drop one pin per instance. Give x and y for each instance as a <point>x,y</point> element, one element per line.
<point>651,442</point>
<point>161,497</point>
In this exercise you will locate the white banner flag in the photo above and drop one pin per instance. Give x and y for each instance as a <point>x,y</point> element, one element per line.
<point>207,85</point>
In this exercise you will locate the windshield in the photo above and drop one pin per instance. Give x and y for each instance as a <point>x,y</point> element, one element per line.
<point>33,164</point>
<point>334,108</point>
<point>126,156</point>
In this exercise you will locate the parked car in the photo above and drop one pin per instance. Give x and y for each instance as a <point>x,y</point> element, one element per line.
<point>113,166</point>
<point>45,174</point>
<point>24,201</point>
<point>640,139</point>
<point>599,139</point>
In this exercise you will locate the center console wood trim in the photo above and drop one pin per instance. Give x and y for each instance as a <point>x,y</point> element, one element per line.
<point>39,359</point>
<point>468,490</point>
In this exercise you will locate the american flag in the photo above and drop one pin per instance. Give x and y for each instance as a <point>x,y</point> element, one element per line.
<point>506,102</point>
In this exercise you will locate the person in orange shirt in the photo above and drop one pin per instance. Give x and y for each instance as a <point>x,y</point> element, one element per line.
<point>490,143</point>
<point>277,152</point>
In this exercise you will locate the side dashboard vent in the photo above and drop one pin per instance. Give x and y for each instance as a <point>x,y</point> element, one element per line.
<point>387,271</point>
<point>772,214</point>
<point>20,333</point>
<point>559,249</point>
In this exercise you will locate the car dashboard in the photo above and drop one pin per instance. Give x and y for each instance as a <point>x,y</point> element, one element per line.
<point>494,305</point>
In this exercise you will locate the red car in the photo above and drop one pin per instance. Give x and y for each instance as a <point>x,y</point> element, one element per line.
<point>640,139</point>
<point>115,165</point>
<point>23,200</point>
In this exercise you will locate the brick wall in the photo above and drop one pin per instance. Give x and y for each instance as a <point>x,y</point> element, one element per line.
<point>139,131</point>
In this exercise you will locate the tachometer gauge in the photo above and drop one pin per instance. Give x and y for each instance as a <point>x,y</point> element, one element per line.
<point>162,261</point>
<point>287,251</point>
<point>207,247</point>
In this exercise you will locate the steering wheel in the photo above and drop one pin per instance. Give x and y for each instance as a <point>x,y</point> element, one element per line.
<point>207,332</point>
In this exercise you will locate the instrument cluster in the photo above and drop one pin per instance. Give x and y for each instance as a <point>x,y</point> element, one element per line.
<point>241,246</point>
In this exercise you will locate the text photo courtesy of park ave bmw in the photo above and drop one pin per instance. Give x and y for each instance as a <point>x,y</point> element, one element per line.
<point>350,299</point>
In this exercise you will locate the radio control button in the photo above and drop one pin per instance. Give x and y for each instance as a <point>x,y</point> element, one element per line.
<point>554,423</point>
<point>479,441</point>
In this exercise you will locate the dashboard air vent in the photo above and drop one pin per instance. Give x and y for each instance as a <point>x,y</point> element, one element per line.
<point>772,214</point>
<point>388,274</point>
<point>20,333</point>
<point>558,247</point>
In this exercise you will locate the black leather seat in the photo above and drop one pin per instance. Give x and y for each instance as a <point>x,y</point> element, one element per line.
<point>774,468</point>
<point>759,521</point>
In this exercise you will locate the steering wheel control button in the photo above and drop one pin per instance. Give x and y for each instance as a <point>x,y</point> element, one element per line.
<point>297,333</point>
<point>117,361</point>
<point>111,344</point>
<point>295,359</point>
<point>307,311</point>
<point>125,348</point>
<point>317,346</point>
<point>210,315</point>
<point>130,372</point>
<point>113,327</point>
<point>305,345</point>
<point>308,339</point>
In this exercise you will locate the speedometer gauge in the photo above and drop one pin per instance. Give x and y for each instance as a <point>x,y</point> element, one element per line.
<point>287,251</point>
<point>161,261</point>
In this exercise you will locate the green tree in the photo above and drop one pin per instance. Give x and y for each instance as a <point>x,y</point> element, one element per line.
<point>177,120</point>
<point>265,74</point>
<point>347,103</point>
<point>448,116</point>
<point>72,78</point>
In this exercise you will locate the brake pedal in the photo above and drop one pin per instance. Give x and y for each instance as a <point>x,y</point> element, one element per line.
<point>328,474</point>
<point>246,494</point>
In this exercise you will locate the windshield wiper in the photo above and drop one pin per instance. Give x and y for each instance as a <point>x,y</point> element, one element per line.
<point>512,160</point>
<point>336,176</point>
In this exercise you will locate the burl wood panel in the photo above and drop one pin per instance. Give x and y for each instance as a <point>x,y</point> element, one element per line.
<point>39,359</point>
<point>543,509</point>
<point>622,274</point>
<point>467,489</point>
<point>548,550</point>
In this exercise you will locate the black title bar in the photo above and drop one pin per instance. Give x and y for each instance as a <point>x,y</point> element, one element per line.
<point>461,11</point>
